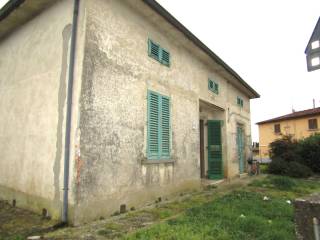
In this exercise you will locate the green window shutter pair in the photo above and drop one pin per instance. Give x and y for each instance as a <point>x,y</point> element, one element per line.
<point>240,101</point>
<point>213,86</point>
<point>158,126</point>
<point>158,53</point>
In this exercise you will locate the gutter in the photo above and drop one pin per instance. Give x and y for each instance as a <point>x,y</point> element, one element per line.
<point>167,16</point>
<point>69,112</point>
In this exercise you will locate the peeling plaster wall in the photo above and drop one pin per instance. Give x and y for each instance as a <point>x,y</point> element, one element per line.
<point>33,69</point>
<point>117,74</point>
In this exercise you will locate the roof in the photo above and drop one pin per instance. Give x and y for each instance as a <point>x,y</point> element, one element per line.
<point>294,115</point>
<point>315,35</point>
<point>14,5</point>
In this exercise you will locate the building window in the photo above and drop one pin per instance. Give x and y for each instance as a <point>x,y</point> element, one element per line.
<point>240,101</point>
<point>313,124</point>
<point>158,126</point>
<point>315,44</point>
<point>213,86</point>
<point>158,53</point>
<point>277,128</point>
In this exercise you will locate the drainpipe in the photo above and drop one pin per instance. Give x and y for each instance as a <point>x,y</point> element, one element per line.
<point>316,229</point>
<point>69,112</point>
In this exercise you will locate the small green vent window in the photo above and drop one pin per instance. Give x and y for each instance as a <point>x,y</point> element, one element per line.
<point>240,101</point>
<point>158,53</point>
<point>213,86</point>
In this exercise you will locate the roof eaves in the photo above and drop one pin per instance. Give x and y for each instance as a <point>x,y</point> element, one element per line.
<point>165,14</point>
<point>9,7</point>
<point>313,33</point>
<point>13,4</point>
<point>288,116</point>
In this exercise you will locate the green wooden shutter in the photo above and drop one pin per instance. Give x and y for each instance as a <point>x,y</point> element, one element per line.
<point>165,57</point>
<point>154,50</point>
<point>240,145</point>
<point>210,84</point>
<point>213,86</point>
<point>165,127</point>
<point>153,125</point>
<point>216,88</point>
<point>215,168</point>
<point>158,126</point>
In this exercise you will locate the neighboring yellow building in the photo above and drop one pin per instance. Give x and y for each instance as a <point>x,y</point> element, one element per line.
<point>297,124</point>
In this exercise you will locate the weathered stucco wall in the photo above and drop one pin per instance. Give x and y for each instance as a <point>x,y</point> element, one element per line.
<point>33,67</point>
<point>117,73</point>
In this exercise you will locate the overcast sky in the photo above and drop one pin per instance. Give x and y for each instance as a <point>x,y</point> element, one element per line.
<point>264,42</point>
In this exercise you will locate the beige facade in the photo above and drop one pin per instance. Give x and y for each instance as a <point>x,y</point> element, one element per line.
<point>298,128</point>
<point>113,73</point>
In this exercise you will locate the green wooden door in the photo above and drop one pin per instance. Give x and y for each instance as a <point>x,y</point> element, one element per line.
<point>240,147</point>
<point>215,169</point>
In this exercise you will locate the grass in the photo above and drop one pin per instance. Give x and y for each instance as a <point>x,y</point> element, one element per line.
<point>263,168</point>
<point>238,215</point>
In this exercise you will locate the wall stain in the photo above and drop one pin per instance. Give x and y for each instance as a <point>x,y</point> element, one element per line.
<point>66,34</point>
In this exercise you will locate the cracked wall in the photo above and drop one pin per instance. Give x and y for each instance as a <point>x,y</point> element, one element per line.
<point>117,73</point>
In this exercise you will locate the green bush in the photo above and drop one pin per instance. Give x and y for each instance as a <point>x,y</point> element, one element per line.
<point>295,158</point>
<point>285,148</point>
<point>309,150</point>
<point>298,170</point>
<point>278,166</point>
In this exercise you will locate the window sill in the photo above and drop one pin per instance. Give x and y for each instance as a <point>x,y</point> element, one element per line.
<point>149,161</point>
<point>313,130</point>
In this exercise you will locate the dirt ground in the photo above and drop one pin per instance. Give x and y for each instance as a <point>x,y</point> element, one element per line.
<point>18,224</point>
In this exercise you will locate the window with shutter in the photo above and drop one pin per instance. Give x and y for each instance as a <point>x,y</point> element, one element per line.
<point>313,124</point>
<point>240,101</point>
<point>213,86</point>
<point>158,53</point>
<point>277,128</point>
<point>158,126</point>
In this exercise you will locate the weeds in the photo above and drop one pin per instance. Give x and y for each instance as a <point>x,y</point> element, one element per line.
<point>237,215</point>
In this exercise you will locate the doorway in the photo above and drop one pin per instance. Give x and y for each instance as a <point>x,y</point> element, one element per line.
<point>202,163</point>
<point>215,168</point>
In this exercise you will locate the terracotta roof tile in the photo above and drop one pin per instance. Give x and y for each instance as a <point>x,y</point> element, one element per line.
<point>299,114</point>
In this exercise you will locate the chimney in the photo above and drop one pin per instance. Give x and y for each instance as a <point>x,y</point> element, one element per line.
<point>314,103</point>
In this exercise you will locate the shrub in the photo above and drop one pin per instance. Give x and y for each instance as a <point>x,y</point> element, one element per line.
<point>278,166</point>
<point>298,170</point>
<point>309,150</point>
<point>295,158</point>
<point>285,148</point>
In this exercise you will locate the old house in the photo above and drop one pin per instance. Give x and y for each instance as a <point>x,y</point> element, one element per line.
<point>298,124</point>
<point>108,102</point>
